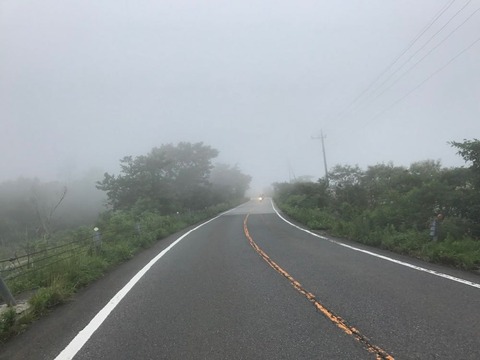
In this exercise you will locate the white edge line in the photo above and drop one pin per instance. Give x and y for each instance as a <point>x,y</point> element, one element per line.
<point>419,268</point>
<point>82,337</point>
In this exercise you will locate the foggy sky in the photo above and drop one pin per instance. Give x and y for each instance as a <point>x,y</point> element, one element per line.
<point>84,83</point>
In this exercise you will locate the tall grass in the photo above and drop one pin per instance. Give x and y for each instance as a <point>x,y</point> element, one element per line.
<point>461,253</point>
<point>123,234</point>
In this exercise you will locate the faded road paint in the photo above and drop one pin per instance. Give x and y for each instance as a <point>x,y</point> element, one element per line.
<point>337,320</point>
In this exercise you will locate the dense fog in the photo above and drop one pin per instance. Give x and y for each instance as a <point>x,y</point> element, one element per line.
<point>85,83</point>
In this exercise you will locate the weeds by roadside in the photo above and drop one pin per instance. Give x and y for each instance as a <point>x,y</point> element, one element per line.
<point>461,253</point>
<point>123,234</point>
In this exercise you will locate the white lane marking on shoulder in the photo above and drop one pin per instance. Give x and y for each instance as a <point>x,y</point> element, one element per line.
<point>82,337</point>
<point>419,268</point>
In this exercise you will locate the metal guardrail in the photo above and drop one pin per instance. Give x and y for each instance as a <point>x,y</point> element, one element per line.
<point>36,259</point>
<point>17,266</point>
<point>39,257</point>
<point>43,257</point>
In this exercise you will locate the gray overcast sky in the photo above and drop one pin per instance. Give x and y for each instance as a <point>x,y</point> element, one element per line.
<point>84,83</point>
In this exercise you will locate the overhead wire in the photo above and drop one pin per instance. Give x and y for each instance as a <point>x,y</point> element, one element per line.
<point>429,40</point>
<point>425,80</point>
<point>442,11</point>
<point>424,57</point>
<point>397,58</point>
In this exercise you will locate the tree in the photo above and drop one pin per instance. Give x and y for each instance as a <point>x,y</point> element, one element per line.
<point>470,191</point>
<point>44,215</point>
<point>470,151</point>
<point>346,182</point>
<point>303,194</point>
<point>31,209</point>
<point>188,170</point>
<point>228,182</point>
<point>170,178</point>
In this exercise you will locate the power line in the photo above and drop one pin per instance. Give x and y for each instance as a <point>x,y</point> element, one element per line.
<point>397,58</point>
<point>425,80</point>
<point>428,41</point>
<point>425,56</point>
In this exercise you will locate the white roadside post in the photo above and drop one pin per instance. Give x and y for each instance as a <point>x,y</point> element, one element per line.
<point>97,239</point>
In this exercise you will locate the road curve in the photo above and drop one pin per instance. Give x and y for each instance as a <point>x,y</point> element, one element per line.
<point>248,285</point>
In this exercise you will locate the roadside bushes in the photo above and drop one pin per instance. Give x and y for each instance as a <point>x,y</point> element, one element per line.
<point>8,321</point>
<point>464,253</point>
<point>393,208</point>
<point>454,248</point>
<point>122,235</point>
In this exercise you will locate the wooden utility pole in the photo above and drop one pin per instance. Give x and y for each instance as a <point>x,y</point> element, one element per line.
<point>322,138</point>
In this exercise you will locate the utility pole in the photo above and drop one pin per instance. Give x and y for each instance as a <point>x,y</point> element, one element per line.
<point>322,138</point>
<point>291,173</point>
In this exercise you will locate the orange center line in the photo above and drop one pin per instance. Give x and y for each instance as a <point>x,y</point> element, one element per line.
<point>337,320</point>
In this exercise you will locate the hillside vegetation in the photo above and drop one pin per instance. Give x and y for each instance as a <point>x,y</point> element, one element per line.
<point>424,210</point>
<point>155,195</point>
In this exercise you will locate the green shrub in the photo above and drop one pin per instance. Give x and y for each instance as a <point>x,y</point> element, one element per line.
<point>47,297</point>
<point>7,320</point>
<point>385,227</point>
<point>463,253</point>
<point>117,252</point>
<point>82,270</point>
<point>56,276</point>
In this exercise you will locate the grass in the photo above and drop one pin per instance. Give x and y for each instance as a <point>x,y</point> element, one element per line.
<point>7,319</point>
<point>45,298</point>
<point>457,251</point>
<point>123,235</point>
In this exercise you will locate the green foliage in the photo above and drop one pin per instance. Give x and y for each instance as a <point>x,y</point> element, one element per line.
<point>315,219</point>
<point>393,207</point>
<point>58,292</point>
<point>173,179</point>
<point>169,179</point>
<point>82,270</point>
<point>154,196</point>
<point>302,194</point>
<point>227,183</point>
<point>12,323</point>
<point>7,320</point>
<point>468,204</point>
<point>463,253</point>
<point>470,151</point>
<point>124,233</point>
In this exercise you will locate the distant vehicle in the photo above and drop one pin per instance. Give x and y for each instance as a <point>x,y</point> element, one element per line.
<point>261,197</point>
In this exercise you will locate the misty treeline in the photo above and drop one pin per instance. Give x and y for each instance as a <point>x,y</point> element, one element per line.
<point>31,210</point>
<point>170,179</point>
<point>174,178</point>
<point>394,206</point>
<point>155,195</point>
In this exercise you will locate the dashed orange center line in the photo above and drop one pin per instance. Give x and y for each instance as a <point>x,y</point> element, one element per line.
<point>337,320</point>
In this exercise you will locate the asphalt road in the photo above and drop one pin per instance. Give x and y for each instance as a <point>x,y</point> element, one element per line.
<point>248,285</point>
